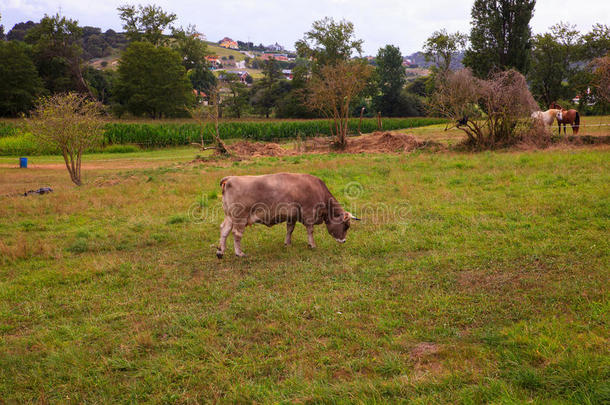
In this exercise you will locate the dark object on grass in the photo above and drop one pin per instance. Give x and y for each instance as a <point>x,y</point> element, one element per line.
<point>43,190</point>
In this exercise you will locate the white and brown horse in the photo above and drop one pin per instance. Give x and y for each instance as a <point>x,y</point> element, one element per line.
<point>548,116</point>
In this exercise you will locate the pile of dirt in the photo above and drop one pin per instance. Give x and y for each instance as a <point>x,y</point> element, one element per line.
<point>258,149</point>
<point>378,142</point>
<point>383,142</point>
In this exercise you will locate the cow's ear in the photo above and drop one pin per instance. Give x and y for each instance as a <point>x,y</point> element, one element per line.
<point>346,216</point>
<point>351,216</point>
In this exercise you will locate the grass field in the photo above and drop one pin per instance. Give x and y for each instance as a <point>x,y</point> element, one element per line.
<point>472,278</point>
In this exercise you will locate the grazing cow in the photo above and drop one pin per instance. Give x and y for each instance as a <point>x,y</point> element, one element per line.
<point>274,198</point>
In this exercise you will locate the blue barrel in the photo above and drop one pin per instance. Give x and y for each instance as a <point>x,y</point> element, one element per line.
<point>23,163</point>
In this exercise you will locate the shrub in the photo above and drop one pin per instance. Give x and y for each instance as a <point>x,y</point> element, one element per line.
<point>18,145</point>
<point>120,149</point>
<point>493,112</point>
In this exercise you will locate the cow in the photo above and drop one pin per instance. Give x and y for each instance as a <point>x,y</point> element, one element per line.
<point>275,198</point>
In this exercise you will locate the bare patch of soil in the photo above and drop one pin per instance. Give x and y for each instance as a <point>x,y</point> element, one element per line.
<point>423,350</point>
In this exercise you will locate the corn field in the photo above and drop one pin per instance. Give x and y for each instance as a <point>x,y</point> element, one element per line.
<point>13,141</point>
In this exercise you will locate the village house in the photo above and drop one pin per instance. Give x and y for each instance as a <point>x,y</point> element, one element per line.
<point>228,43</point>
<point>213,61</point>
<point>287,74</point>
<point>241,74</point>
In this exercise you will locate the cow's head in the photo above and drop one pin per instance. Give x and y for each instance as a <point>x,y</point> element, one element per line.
<point>339,224</point>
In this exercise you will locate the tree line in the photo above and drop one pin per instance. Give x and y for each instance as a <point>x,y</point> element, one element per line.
<point>163,71</point>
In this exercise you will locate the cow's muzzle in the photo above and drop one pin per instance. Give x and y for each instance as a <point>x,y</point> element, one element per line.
<point>340,240</point>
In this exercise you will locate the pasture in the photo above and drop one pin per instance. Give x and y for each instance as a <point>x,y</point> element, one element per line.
<point>472,278</point>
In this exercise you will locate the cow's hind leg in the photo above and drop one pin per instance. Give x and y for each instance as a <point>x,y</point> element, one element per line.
<point>225,230</point>
<point>238,231</point>
<point>289,228</point>
<point>310,240</point>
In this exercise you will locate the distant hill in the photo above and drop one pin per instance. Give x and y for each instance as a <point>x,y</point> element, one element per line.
<point>419,59</point>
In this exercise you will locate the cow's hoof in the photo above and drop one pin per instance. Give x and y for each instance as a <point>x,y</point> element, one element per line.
<point>312,246</point>
<point>219,254</point>
<point>242,254</point>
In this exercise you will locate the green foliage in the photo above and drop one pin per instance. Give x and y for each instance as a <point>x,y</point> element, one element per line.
<point>441,46</point>
<point>57,53</point>
<point>329,41</point>
<point>202,79</point>
<point>152,81</point>
<point>500,37</point>
<point>237,100</point>
<point>561,63</point>
<point>146,23</point>
<point>548,69</point>
<point>20,84</point>
<point>161,135</point>
<point>101,83</point>
<point>121,149</point>
<point>389,77</point>
<point>192,50</point>
<point>266,92</point>
<point>23,144</point>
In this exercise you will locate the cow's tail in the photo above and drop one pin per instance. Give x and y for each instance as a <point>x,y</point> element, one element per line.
<point>223,183</point>
<point>576,123</point>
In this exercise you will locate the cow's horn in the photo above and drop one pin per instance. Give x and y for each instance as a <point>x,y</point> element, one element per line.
<point>351,216</point>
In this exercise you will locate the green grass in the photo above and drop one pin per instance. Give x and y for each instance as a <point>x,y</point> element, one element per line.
<point>484,280</point>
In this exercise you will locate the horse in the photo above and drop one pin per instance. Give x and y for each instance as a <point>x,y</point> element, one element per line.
<point>547,117</point>
<point>571,117</point>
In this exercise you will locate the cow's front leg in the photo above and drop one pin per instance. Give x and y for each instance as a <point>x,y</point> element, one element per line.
<point>225,230</point>
<point>310,241</point>
<point>289,228</point>
<point>238,231</point>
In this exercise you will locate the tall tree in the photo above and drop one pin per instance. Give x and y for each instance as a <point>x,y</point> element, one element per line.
<point>500,37</point>
<point>267,91</point>
<point>202,79</point>
<point>57,54</point>
<point>19,30</point>
<point>390,79</point>
<point>237,101</point>
<point>548,69</point>
<point>20,84</point>
<point>152,81</point>
<point>596,43</point>
<point>192,49</point>
<point>329,42</point>
<point>441,46</point>
<point>146,23</point>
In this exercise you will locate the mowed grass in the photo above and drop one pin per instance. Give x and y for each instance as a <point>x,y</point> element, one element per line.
<point>472,278</point>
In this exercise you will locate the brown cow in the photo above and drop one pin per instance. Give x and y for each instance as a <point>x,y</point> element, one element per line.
<point>282,197</point>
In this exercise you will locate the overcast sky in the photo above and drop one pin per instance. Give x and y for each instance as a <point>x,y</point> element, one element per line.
<point>403,23</point>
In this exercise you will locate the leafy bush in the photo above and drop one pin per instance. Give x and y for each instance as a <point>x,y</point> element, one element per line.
<point>120,149</point>
<point>23,144</point>
<point>8,129</point>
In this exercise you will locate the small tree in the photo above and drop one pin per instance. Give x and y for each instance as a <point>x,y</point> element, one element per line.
<point>441,46</point>
<point>201,113</point>
<point>333,89</point>
<point>146,23</point>
<point>71,123</point>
